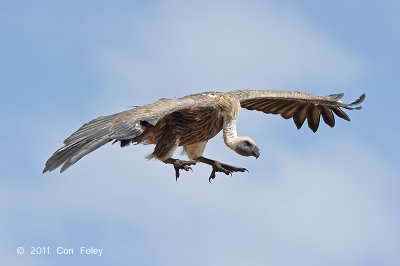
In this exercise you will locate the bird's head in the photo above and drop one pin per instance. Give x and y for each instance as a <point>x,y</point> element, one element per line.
<point>245,146</point>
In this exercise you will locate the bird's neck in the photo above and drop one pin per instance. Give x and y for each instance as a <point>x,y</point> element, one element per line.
<point>230,133</point>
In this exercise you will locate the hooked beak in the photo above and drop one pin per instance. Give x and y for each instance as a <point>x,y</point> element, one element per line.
<point>256,152</point>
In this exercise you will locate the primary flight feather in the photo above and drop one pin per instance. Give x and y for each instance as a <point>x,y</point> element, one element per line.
<point>192,120</point>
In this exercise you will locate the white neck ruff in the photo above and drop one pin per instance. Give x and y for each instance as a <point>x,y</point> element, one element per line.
<point>229,131</point>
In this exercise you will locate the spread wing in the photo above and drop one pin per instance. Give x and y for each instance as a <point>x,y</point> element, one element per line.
<point>298,105</point>
<point>120,126</point>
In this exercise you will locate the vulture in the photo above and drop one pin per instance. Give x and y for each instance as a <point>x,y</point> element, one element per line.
<point>194,119</point>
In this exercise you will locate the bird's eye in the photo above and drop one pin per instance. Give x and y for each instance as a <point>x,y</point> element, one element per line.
<point>247,143</point>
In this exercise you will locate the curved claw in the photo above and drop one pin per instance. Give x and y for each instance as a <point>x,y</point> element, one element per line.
<point>226,169</point>
<point>176,173</point>
<point>186,168</point>
<point>212,176</point>
<point>181,165</point>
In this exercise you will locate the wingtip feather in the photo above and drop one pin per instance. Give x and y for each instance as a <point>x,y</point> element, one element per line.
<point>359,100</point>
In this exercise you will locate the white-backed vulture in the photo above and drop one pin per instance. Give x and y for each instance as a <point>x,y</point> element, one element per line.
<point>192,120</point>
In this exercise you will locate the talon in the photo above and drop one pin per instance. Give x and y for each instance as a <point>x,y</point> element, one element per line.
<point>180,165</point>
<point>212,176</point>
<point>220,167</point>
<point>176,174</point>
<point>186,168</point>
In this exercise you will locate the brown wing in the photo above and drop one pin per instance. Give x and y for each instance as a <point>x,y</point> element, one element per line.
<point>121,126</point>
<point>297,105</point>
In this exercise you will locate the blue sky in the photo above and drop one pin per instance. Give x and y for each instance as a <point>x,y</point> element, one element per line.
<point>329,198</point>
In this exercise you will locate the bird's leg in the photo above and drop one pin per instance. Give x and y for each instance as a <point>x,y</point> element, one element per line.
<point>180,165</point>
<point>219,167</point>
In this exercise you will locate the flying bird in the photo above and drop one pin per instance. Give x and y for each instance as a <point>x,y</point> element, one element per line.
<point>194,119</point>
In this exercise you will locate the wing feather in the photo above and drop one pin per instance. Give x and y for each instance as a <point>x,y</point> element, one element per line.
<point>298,105</point>
<point>314,118</point>
<point>327,115</point>
<point>270,105</point>
<point>301,114</point>
<point>288,111</point>
<point>340,113</point>
<point>278,107</point>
